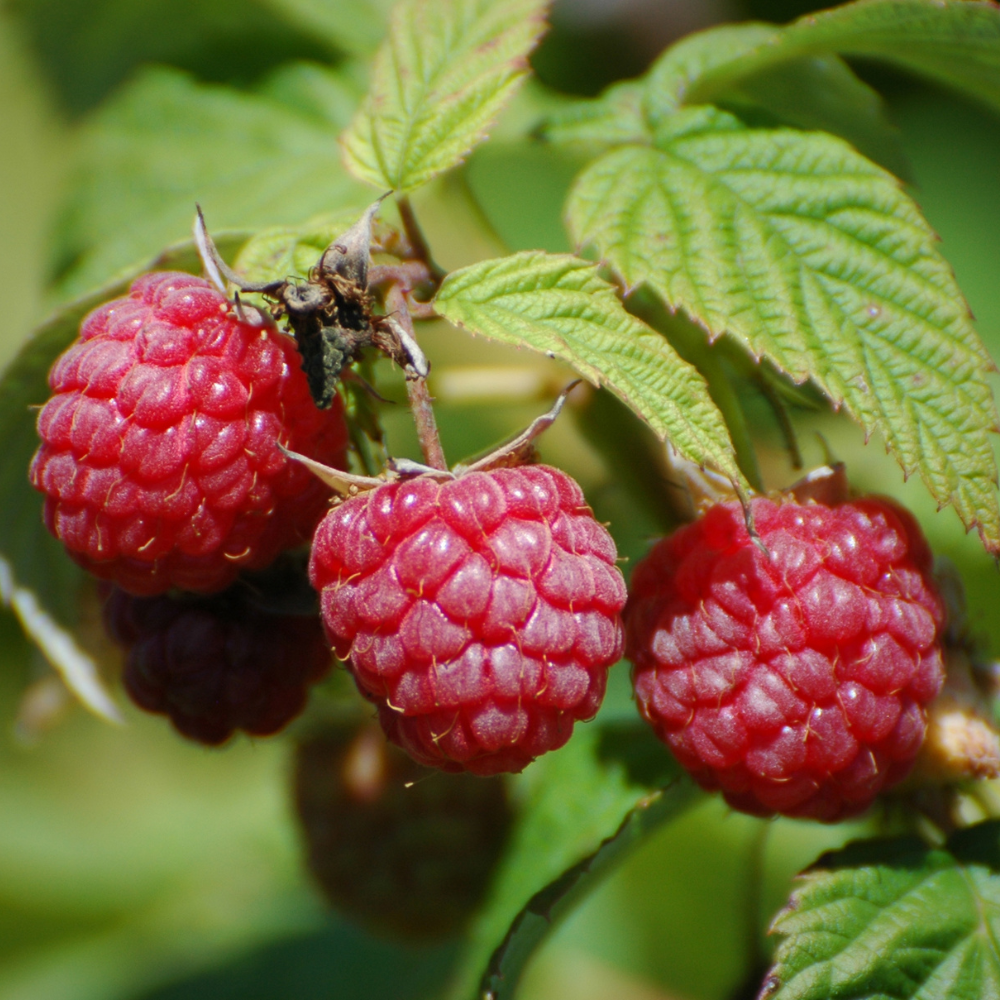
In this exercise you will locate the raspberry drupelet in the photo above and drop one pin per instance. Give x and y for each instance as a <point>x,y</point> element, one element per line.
<point>480,614</point>
<point>795,681</point>
<point>159,458</point>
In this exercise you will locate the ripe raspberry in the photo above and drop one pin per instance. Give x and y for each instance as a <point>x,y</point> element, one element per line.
<point>405,851</point>
<point>158,457</point>
<point>217,663</point>
<point>796,683</point>
<point>480,614</point>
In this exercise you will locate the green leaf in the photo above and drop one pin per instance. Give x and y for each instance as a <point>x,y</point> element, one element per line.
<point>533,923</point>
<point>440,80</point>
<point>559,305</point>
<point>956,42</point>
<point>813,257</point>
<point>571,804</point>
<point>88,48</point>
<point>812,92</point>
<point>43,582</point>
<point>354,26</point>
<point>330,96</point>
<point>166,142</point>
<point>616,117</point>
<point>820,92</point>
<point>683,66</point>
<point>291,251</point>
<point>894,918</point>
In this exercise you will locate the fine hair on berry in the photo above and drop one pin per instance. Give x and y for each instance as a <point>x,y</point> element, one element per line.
<point>791,674</point>
<point>159,458</point>
<point>480,614</point>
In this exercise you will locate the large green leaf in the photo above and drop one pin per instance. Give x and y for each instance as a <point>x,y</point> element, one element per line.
<point>559,305</point>
<point>956,42</point>
<point>440,80</point>
<point>571,804</point>
<point>43,582</point>
<point>895,918</point>
<point>815,258</point>
<point>166,142</point>
<point>817,91</point>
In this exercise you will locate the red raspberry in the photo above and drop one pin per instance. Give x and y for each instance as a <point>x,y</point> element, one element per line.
<point>217,663</point>
<point>405,851</point>
<point>480,614</point>
<point>795,682</point>
<point>158,458</point>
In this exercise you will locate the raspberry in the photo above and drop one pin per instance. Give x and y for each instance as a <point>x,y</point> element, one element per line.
<point>794,682</point>
<point>480,614</point>
<point>405,851</point>
<point>217,663</point>
<point>159,460</point>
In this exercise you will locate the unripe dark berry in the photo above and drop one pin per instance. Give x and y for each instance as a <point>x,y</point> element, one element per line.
<point>405,851</point>
<point>216,664</point>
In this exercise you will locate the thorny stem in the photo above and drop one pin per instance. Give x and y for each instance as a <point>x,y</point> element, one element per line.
<point>416,389</point>
<point>415,237</point>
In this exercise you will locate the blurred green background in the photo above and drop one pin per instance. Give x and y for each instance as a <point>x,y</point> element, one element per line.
<point>133,865</point>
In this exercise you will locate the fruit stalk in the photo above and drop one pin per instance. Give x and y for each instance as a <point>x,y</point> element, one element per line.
<point>416,388</point>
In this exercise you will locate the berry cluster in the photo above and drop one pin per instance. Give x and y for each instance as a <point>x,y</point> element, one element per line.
<point>792,673</point>
<point>159,458</point>
<point>480,614</point>
<point>479,611</point>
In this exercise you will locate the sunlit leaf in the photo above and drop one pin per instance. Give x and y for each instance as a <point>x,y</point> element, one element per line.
<point>894,918</point>
<point>559,305</point>
<point>815,258</point>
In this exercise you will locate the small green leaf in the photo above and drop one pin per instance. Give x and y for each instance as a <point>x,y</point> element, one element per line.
<point>813,257</point>
<point>956,42</point>
<point>558,304</point>
<point>42,582</point>
<point>571,804</point>
<point>894,918</point>
<point>440,80</point>
<point>166,142</point>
